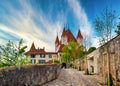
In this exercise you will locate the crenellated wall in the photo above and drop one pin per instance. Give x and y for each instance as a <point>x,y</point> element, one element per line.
<point>29,75</point>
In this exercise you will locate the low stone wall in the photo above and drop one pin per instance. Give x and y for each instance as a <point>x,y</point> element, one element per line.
<point>29,75</point>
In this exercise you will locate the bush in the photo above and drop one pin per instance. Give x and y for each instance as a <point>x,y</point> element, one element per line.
<point>56,61</point>
<point>13,54</point>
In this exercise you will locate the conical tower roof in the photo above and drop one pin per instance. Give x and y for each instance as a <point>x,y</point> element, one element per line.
<point>32,47</point>
<point>57,40</point>
<point>79,35</point>
<point>63,33</point>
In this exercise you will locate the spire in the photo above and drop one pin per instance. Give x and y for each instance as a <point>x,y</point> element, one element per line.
<point>63,33</point>
<point>32,47</point>
<point>57,39</point>
<point>68,26</point>
<point>79,35</point>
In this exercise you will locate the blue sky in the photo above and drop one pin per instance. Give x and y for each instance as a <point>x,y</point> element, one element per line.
<point>39,21</point>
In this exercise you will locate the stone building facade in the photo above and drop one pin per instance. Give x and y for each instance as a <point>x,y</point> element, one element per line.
<point>105,58</point>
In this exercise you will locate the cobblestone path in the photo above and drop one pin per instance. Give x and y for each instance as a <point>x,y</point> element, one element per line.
<point>72,77</point>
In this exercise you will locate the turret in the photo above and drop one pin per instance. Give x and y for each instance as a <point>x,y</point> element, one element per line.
<point>79,37</point>
<point>56,43</point>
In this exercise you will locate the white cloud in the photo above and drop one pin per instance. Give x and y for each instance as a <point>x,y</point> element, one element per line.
<point>95,42</point>
<point>23,26</point>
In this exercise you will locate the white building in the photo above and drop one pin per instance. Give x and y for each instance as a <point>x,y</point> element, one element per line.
<point>40,55</point>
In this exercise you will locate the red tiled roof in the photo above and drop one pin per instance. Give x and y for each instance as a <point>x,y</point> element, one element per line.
<point>32,49</point>
<point>50,52</point>
<point>79,35</point>
<point>64,32</point>
<point>57,40</point>
<point>70,36</point>
<point>60,48</point>
<point>41,52</point>
<point>38,51</point>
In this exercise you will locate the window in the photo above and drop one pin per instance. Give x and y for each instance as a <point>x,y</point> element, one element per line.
<point>41,61</point>
<point>50,56</point>
<point>33,61</point>
<point>42,55</point>
<point>33,55</point>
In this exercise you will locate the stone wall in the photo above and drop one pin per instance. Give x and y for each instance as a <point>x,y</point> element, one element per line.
<point>113,47</point>
<point>29,75</point>
<point>101,60</point>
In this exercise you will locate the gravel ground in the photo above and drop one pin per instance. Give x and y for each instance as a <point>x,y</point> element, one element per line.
<point>72,77</point>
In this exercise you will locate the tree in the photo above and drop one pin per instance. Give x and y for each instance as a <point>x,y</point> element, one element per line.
<point>67,51</point>
<point>118,29</point>
<point>72,51</point>
<point>79,52</point>
<point>91,49</point>
<point>12,54</point>
<point>104,25</point>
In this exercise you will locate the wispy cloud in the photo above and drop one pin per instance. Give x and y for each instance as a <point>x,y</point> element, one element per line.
<point>82,18</point>
<point>22,24</point>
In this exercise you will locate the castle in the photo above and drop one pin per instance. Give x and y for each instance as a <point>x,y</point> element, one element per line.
<point>66,37</point>
<point>41,56</point>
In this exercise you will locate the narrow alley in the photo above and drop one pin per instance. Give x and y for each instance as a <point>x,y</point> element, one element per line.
<point>73,77</point>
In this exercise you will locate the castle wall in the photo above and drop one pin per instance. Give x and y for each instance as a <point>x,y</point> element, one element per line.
<point>29,75</point>
<point>100,59</point>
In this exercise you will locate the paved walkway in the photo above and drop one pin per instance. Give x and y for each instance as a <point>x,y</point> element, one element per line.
<point>72,77</point>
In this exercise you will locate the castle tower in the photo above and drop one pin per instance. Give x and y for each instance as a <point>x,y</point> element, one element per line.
<point>79,37</point>
<point>64,37</point>
<point>56,43</point>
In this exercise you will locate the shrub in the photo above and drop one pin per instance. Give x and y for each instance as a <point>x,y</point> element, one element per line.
<point>56,61</point>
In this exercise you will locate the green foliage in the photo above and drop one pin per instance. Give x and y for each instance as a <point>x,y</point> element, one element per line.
<point>67,51</point>
<point>71,65</point>
<point>72,51</point>
<point>12,54</point>
<point>118,29</point>
<point>91,49</point>
<point>111,80</point>
<point>78,52</point>
<point>56,61</point>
